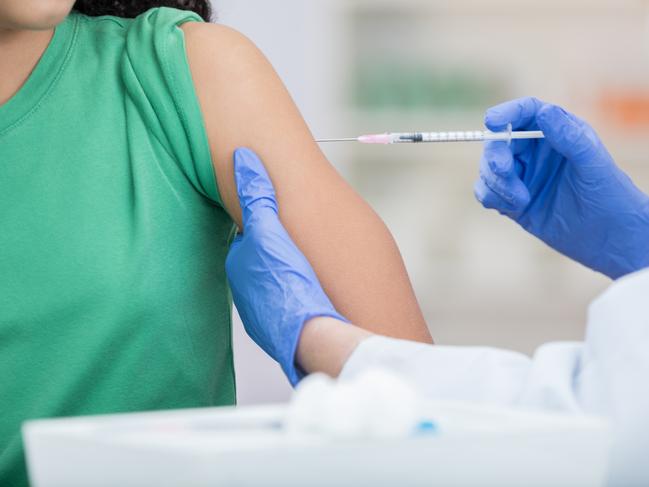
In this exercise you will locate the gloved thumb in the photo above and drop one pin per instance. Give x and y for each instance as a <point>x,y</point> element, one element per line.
<point>566,133</point>
<point>254,187</point>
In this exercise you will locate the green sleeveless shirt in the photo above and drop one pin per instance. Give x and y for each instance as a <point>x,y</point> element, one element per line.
<point>113,237</point>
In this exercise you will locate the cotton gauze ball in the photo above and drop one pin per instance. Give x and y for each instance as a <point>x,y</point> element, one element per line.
<point>308,404</point>
<point>391,406</point>
<point>343,412</point>
<point>375,404</point>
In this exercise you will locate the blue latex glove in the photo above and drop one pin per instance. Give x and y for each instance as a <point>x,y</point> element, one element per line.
<point>566,189</point>
<point>273,285</point>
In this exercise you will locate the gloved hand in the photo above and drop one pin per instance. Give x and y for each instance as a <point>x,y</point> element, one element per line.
<point>566,189</point>
<point>273,286</point>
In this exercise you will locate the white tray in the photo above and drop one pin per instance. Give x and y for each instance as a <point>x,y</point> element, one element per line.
<point>245,447</point>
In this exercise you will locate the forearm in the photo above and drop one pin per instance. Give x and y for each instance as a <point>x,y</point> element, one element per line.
<point>326,344</point>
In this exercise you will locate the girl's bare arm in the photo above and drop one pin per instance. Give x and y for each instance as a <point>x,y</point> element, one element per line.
<point>244,103</point>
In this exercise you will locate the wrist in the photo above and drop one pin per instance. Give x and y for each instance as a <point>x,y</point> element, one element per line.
<point>326,343</point>
<point>289,340</point>
<point>633,242</point>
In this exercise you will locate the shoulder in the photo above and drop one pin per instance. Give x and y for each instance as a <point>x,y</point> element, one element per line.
<point>216,52</point>
<point>213,33</point>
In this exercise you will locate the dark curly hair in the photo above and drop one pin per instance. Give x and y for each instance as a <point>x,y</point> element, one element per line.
<point>133,8</point>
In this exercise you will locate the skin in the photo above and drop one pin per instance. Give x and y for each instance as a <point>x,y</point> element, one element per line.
<point>26,28</point>
<point>245,104</point>
<point>326,344</point>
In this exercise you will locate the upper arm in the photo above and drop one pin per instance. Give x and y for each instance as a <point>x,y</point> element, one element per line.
<point>245,104</point>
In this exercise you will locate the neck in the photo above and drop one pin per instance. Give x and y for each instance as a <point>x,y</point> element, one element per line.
<point>20,51</point>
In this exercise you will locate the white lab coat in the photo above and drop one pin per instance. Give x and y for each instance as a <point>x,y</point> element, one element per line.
<point>607,374</point>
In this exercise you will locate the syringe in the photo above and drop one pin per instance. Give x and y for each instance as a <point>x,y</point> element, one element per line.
<point>462,136</point>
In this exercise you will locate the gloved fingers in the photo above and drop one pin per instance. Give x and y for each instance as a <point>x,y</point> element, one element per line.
<point>499,158</point>
<point>490,199</point>
<point>254,187</point>
<point>521,146</point>
<point>236,241</point>
<point>521,113</point>
<point>567,134</point>
<point>499,172</point>
<point>502,160</point>
<point>235,248</point>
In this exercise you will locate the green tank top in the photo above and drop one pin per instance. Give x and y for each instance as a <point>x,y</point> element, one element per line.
<point>113,237</point>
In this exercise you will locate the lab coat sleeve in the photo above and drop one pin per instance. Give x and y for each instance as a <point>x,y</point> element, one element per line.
<point>614,378</point>
<point>477,374</point>
<point>607,374</point>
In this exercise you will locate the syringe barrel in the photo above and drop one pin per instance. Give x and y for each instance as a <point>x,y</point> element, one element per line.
<point>509,134</point>
<point>528,134</point>
<point>460,136</point>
